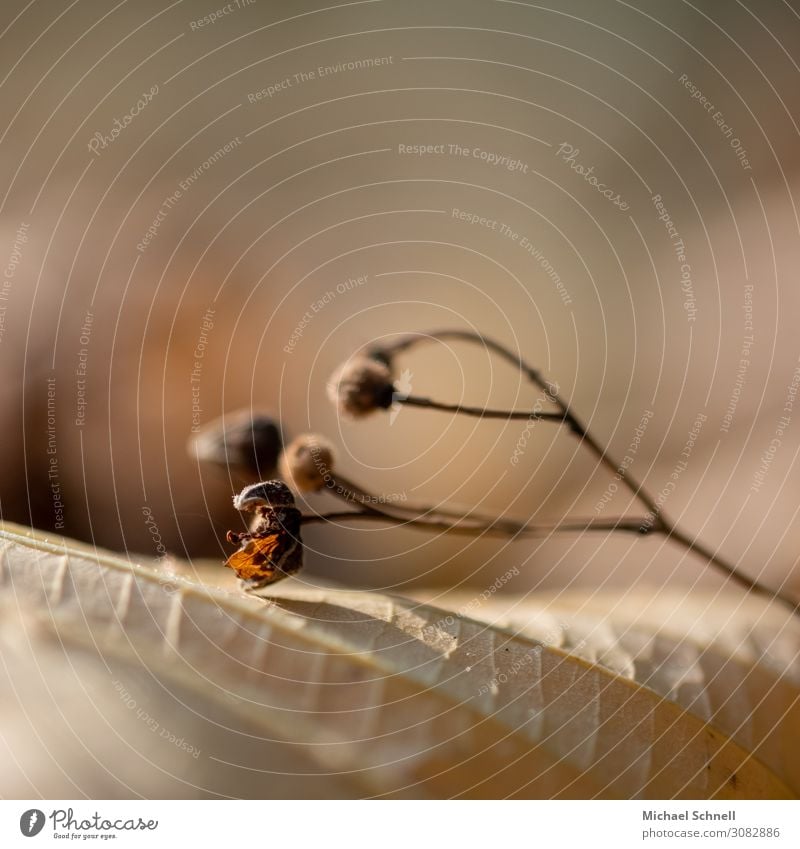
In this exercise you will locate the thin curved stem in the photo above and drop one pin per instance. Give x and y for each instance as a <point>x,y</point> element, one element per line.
<point>658,523</point>
<point>345,489</point>
<point>732,572</point>
<point>475,529</point>
<point>411,340</point>
<point>388,518</point>
<point>477,522</point>
<point>480,412</point>
<point>567,416</point>
<point>655,522</point>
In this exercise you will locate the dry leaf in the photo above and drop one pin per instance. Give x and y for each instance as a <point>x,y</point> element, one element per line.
<point>340,693</point>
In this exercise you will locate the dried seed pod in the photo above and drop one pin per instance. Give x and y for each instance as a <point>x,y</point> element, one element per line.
<point>263,497</point>
<point>273,550</point>
<point>307,462</point>
<point>361,386</point>
<point>245,441</point>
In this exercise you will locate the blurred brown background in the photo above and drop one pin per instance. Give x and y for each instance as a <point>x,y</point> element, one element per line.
<point>286,195</point>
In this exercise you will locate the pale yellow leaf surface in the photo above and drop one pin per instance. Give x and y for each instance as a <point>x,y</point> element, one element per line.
<point>324,692</point>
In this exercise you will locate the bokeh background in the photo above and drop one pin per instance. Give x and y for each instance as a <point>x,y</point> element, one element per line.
<point>269,183</point>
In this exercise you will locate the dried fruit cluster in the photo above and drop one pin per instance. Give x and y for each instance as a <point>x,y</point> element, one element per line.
<point>362,386</point>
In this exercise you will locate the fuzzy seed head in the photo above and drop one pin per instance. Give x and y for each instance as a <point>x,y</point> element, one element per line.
<point>361,386</point>
<point>263,495</point>
<point>307,462</point>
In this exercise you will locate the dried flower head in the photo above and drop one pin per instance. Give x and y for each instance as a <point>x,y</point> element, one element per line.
<point>263,497</point>
<point>361,386</point>
<point>273,549</point>
<point>307,462</point>
<point>245,440</point>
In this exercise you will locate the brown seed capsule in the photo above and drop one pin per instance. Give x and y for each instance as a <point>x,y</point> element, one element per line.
<point>307,462</point>
<point>361,386</point>
<point>245,441</point>
<point>263,497</point>
<point>272,550</point>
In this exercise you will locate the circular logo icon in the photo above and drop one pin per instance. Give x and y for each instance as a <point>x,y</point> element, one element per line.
<point>31,822</point>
